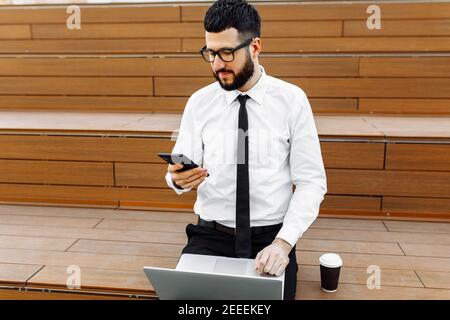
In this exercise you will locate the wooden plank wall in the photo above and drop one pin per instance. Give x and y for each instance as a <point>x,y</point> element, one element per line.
<point>293,27</point>
<point>144,57</point>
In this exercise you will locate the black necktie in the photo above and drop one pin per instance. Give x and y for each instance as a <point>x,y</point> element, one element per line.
<point>243,245</point>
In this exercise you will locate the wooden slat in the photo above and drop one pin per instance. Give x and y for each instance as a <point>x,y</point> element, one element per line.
<point>364,155</point>
<point>422,27</point>
<point>128,248</point>
<point>89,260</point>
<point>311,290</point>
<point>351,10</point>
<point>348,105</point>
<point>350,224</point>
<point>288,67</point>
<point>132,123</point>
<point>140,175</point>
<point>76,86</point>
<point>118,30</point>
<point>425,250</point>
<point>90,14</point>
<point>91,46</point>
<point>192,45</point>
<point>398,204</point>
<point>194,12</point>
<point>48,211</point>
<point>57,172</point>
<point>417,127</point>
<point>301,29</point>
<point>351,275</point>
<point>420,128</point>
<point>38,294</point>
<point>161,198</point>
<point>389,183</point>
<point>349,246</point>
<point>405,67</point>
<point>331,11</point>
<point>170,250</point>
<point>161,66</point>
<point>122,224</point>
<point>125,224</point>
<point>375,87</point>
<point>35,243</point>
<point>405,106</point>
<point>84,148</point>
<point>370,235</point>
<point>342,44</point>
<point>435,279</point>
<point>111,280</point>
<point>383,261</point>
<point>351,203</point>
<point>417,157</point>
<point>14,32</point>
<point>179,87</point>
<point>140,104</point>
<point>431,227</point>
<point>322,87</point>
<point>54,66</point>
<point>176,30</point>
<point>17,273</point>
<point>45,221</point>
<point>345,44</point>
<point>354,126</point>
<point>93,234</point>
<point>180,237</point>
<point>115,104</point>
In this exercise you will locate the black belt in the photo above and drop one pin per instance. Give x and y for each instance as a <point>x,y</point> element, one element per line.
<point>220,227</point>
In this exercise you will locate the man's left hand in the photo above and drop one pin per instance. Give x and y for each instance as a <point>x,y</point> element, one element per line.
<point>274,258</point>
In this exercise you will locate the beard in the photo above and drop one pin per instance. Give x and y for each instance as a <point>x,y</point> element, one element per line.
<point>240,78</point>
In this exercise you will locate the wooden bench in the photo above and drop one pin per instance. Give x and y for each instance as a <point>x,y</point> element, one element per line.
<point>377,166</point>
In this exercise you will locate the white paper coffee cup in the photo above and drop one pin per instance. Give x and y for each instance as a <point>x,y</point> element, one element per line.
<point>330,268</point>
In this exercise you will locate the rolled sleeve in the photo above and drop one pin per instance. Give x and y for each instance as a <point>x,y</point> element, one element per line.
<point>170,183</point>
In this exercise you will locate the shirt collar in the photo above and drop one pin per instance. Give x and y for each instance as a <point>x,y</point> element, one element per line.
<point>256,92</point>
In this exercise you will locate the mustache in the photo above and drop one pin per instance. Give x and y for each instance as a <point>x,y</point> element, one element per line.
<point>224,70</point>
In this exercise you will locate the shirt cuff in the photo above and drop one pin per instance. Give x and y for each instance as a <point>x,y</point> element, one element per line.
<point>289,234</point>
<point>171,184</point>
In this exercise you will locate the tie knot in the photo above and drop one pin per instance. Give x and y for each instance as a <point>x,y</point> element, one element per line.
<point>242,98</point>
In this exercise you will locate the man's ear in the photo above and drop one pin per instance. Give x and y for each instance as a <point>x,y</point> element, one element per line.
<point>256,45</point>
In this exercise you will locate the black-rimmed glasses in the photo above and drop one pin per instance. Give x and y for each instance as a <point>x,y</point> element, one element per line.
<point>225,54</point>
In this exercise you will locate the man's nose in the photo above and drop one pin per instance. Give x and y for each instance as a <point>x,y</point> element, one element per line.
<point>218,63</point>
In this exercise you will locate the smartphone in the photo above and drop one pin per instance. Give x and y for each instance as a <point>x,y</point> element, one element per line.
<point>174,158</point>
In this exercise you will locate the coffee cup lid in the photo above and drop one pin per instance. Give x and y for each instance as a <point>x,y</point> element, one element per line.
<point>330,260</point>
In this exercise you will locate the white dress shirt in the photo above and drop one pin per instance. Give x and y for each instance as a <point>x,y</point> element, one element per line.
<point>284,150</point>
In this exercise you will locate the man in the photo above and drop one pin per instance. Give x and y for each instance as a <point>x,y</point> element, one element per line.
<point>253,136</point>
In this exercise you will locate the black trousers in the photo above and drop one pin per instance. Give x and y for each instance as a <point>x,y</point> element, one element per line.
<point>207,241</point>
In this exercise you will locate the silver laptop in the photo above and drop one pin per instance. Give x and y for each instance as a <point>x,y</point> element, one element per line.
<point>203,277</point>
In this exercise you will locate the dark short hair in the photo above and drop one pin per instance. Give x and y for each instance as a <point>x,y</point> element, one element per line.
<point>238,14</point>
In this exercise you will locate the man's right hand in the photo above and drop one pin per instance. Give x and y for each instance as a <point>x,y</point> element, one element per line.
<point>189,178</point>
